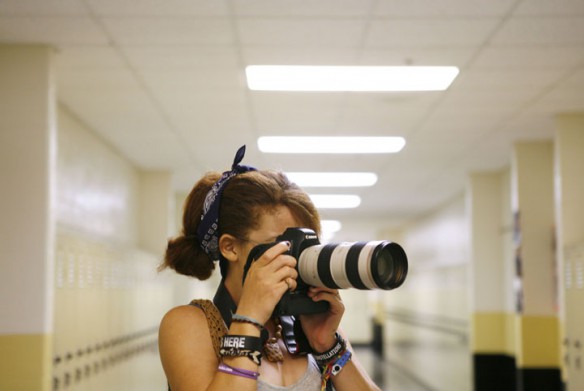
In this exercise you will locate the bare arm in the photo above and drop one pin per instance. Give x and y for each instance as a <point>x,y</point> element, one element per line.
<point>188,357</point>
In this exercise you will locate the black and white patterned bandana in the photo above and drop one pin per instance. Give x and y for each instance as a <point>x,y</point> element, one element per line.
<point>207,231</point>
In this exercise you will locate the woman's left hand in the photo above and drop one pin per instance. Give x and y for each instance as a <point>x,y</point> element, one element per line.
<point>320,328</point>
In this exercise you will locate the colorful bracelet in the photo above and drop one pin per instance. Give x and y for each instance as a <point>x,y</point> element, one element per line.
<point>246,319</point>
<point>238,371</point>
<point>324,358</point>
<point>334,367</point>
<point>242,346</point>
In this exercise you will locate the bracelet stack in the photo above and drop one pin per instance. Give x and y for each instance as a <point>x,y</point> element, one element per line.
<point>241,346</point>
<point>332,361</point>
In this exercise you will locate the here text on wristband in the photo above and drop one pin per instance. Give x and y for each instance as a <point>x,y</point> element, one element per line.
<point>241,346</point>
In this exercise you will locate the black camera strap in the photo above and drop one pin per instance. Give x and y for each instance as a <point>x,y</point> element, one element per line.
<point>292,333</point>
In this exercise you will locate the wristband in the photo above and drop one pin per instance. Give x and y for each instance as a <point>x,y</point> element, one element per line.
<point>246,319</point>
<point>238,371</point>
<point>241,346</point>
<point>340,363</point>
<point>334,367</point>
<point>323,358</point>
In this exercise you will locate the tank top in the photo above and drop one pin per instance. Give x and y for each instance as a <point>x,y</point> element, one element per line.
<point>310,381</point>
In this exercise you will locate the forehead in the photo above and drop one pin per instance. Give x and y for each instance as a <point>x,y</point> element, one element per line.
<point>272,223</point>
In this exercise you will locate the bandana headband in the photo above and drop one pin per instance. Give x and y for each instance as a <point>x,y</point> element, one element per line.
<point>207,231</point>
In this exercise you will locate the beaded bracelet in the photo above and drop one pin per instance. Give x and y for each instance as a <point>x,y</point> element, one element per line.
<point>241,346</point>
<point>246,319</point>
<point>238,371</point>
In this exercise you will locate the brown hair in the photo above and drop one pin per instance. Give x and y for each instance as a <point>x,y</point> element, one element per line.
<point>244,198</point>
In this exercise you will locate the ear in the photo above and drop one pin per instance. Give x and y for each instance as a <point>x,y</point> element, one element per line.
<point>229,247</point>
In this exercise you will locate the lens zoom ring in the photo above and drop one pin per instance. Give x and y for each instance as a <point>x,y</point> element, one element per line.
<point>352,265</point>
<point>324,266</point>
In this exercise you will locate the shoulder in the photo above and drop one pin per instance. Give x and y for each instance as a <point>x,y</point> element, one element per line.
<point>185,346</point>
<point>188,317</point>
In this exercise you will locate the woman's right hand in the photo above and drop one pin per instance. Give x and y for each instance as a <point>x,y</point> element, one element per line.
<point>268,278</point>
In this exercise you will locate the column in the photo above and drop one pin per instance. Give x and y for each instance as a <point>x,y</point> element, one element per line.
<point>569,175</point>
<point>27,167</point>
<point>492,334</point>
<point>537,336</point>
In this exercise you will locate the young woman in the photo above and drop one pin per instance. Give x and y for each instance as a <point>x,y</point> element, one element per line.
<point>235,343</point>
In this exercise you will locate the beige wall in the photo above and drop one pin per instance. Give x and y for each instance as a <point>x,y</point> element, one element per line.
<point>108,297</point>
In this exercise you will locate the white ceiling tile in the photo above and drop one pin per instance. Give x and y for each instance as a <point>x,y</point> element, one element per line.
<point>298,55</point>
<point>429,32</point>
<point>541,31</point>
<point>301,32</point>
<point>43,7</point>
<point>51,29</point>
<point>307,8</point>
<point>443,8</point>
<point>97,79</point>
<point>504,80</point>
<point>546,7</point>
<point>70,57</point>
<point>110,111</point>
<point>159,8</point>
<point>417,56</point>
<point>515,57</point>
<point>169,31</point>
<point>185,79</point>
<point>181,57</point>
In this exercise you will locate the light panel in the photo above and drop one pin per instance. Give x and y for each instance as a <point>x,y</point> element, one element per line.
<point>349,78</point>
<point>333,179</point>
<point>335,201</point>
<point>298,144</point>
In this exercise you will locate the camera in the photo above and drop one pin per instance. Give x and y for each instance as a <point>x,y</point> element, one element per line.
<point>360,265</point>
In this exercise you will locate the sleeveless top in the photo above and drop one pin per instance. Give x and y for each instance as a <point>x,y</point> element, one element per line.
<point>310,381</point>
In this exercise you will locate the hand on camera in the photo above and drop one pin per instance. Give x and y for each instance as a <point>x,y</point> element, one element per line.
<point>268,278</point>
<point>320,328</point>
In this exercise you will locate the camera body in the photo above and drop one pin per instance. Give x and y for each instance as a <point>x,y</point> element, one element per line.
<point>361,265</point>
<point>295,302</point>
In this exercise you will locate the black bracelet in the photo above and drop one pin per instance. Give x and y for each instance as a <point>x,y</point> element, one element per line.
<point>242,346</point>
<point>340,346</point>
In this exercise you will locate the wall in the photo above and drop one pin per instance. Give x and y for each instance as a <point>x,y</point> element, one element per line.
<point>108,298</point>
<point>427,318</point>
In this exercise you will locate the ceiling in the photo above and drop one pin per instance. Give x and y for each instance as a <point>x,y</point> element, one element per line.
<point>163,82</point>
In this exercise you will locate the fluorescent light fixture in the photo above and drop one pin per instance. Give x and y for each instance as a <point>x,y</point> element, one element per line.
<point>335,201</point>
<point>349,78</point>
<point>332,179</point>
<point>296,144</point>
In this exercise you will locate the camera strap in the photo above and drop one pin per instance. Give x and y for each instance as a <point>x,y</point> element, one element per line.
<point>292,333</point>
<point>293,336</point>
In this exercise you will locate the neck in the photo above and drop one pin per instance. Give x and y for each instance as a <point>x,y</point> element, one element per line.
<point>234,287</point>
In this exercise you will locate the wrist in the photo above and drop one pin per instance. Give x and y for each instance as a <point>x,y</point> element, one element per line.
<point>338,347</point>
<point>324,344</point>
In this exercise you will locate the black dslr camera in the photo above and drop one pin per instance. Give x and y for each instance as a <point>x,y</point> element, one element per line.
<point>361,265</point>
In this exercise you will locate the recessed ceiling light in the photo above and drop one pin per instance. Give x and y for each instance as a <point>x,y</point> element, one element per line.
<point>295,144</point>
<point>333,179</point>
<point>335,201</point>
<point>349,78</point>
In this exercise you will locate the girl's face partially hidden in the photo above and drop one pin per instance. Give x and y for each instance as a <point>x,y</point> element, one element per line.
<point>273,223</point>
